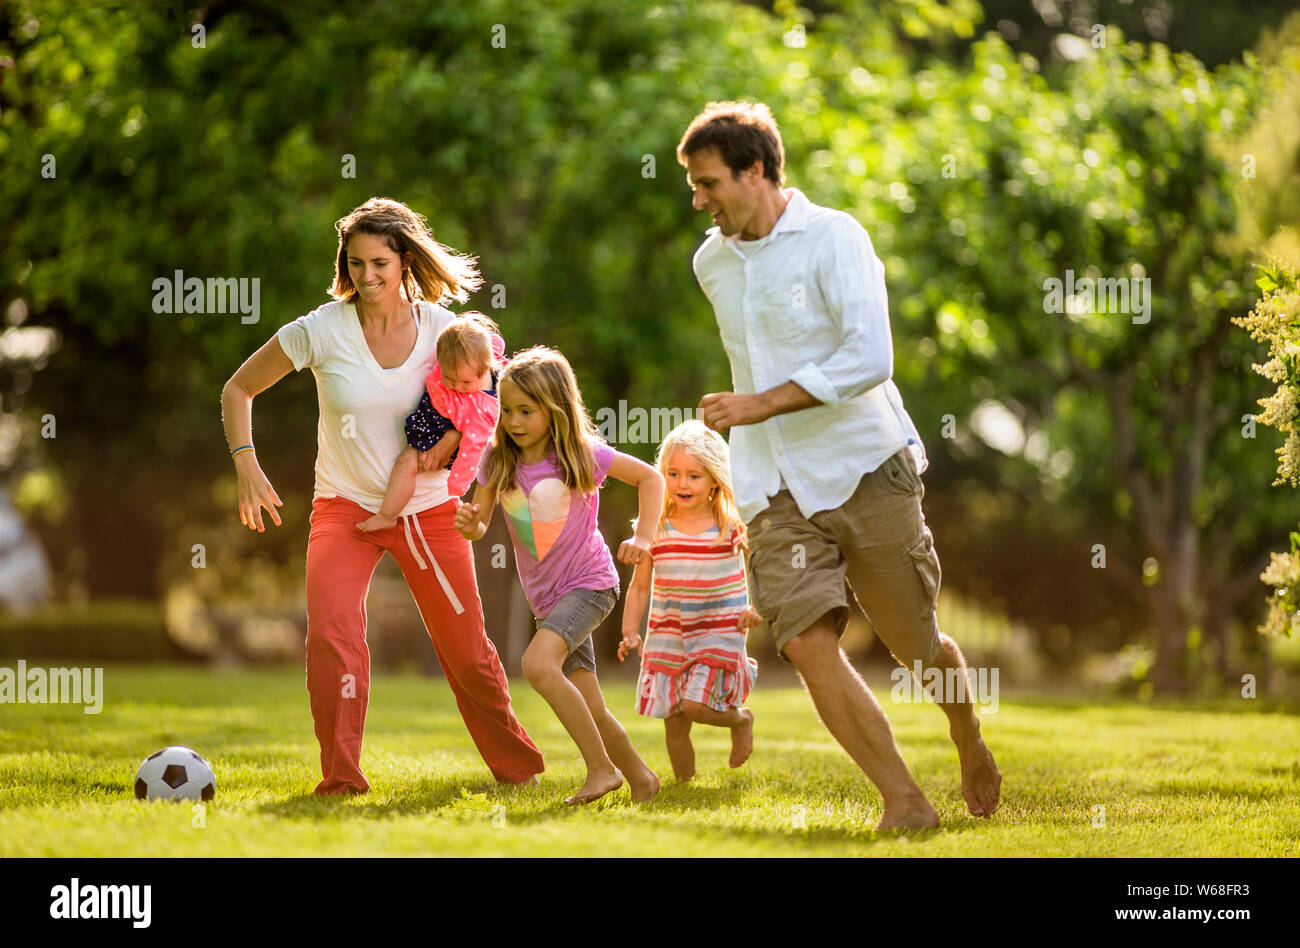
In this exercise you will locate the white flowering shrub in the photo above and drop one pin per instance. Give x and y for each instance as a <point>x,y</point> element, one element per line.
<point>1276,320</point>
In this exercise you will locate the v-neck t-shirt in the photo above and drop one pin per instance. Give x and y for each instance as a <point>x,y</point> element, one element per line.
<point>363,406</point>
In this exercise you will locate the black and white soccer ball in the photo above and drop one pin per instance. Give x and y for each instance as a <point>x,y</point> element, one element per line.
<point>175,773</point>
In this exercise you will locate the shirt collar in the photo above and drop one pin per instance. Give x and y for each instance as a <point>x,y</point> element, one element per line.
<point>793,218</point>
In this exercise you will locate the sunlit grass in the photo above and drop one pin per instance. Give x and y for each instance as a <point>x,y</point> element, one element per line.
<point>1217,780</point>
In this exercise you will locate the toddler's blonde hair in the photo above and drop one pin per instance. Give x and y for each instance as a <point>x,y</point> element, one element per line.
<point>710,449</point>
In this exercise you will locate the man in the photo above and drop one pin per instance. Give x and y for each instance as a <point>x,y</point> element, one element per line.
<point>825,460</point>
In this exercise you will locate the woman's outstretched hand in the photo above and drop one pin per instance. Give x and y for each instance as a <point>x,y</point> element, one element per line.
<point>255,492</point>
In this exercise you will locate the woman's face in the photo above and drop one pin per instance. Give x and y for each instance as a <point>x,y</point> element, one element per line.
<point>375,269</point>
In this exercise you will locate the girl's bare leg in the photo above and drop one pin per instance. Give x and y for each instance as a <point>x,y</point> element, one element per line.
<point>642,780</point>
<point>401,485</point>
<point>677,735</point>
<point>542,664</point>
<point>739,720</point>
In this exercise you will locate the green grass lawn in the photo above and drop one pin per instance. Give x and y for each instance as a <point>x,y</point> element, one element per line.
<point>1205,780</point>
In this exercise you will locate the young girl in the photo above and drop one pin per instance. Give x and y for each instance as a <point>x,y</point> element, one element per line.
<point>460,396</point>
<point>694,667</point>
<point>546,464</point>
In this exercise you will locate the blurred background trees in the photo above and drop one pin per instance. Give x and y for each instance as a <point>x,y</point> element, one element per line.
<point>1095,480</point>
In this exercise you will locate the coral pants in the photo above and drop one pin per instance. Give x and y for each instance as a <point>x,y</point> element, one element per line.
<point>340,563</point>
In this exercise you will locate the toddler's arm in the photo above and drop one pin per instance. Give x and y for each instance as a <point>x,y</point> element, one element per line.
<point>650,496</point>
<point>634,606</point>
<point>472,519</point>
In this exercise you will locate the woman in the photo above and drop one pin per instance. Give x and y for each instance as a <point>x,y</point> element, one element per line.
<point>370,350</point>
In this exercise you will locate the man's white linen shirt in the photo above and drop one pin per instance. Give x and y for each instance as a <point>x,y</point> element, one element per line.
<point>807,304</point>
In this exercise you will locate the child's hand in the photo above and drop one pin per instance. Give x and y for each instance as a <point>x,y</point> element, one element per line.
<point>631,642</point>
<point>748,619</point>
<point>466,517</point>
<point>633,550</point>
<point>435,459</point>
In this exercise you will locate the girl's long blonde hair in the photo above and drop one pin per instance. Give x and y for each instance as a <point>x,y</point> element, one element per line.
<point>708,447</point>
<point>430,270</point>
<point>545,376</point>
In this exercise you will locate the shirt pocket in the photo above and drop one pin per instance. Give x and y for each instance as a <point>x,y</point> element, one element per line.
<point>788,309</point>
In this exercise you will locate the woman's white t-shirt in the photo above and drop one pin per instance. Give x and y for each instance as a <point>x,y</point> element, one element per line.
<point>363,407</point>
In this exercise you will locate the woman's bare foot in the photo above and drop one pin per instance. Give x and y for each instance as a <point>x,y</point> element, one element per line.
<point>981,781</point>
<point>742,739</point>
<point>376,522</point>
<point>911,814</point>
<point>596,786</point>
<point>644,787</point>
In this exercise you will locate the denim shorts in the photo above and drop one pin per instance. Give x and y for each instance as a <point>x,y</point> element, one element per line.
<point>574,618</point>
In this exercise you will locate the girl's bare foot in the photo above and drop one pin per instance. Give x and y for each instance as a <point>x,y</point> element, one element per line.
<point>596,786</point>
<point>645,787</point>
<point>742,739</point>
<point>376,522</point>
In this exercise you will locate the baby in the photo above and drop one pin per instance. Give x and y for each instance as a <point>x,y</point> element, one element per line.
<point>461,394</point>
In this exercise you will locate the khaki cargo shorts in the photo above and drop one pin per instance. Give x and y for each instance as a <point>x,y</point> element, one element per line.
<point>877,539</point>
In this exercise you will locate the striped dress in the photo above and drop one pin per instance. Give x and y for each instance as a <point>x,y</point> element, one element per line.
<point>693,650</point>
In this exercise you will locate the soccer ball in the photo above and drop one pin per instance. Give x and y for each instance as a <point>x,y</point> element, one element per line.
<point>175,773</point>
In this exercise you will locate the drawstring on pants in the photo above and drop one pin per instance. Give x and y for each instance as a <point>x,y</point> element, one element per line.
<point>437,570</point>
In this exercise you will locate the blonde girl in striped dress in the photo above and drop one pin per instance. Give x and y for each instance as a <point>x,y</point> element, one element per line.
<point>694,668</point>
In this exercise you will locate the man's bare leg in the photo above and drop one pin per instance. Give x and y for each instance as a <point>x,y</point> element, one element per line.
<point>981,781</point>
<point>853,716</point>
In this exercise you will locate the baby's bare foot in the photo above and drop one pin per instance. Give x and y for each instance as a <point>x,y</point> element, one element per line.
<point>742,739</point>
<point>596,786</point>
<point>376,522</point>
<point>644,787</point>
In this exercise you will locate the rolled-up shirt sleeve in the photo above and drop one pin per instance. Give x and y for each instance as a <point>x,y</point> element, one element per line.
<point>853,282</point>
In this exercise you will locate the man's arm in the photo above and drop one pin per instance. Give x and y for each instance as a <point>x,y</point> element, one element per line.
<point>723,410</point>
<point>863,359</point>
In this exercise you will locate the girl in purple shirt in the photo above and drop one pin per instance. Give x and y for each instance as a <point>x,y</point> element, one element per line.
<point>546,465</point>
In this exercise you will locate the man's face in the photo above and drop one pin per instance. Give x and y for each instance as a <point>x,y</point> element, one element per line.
<point>731,201</point>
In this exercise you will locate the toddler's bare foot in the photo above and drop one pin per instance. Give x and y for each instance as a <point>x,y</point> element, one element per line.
<point>376,522</point>
<point>742,739</point>
<point>596,786</point>
<point>644,787</point>
<point>683,775</point>
<point>527,782</point>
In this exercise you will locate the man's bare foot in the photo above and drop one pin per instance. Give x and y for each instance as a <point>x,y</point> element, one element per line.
<point>645,787</point>
<point>596,786</point>
<point>742,739</point>
<point>913,814</point>
<point>376,522</point>
<point>981,781</point>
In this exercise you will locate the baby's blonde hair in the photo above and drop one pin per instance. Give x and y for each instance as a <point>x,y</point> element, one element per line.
<point>467,342</point>
<point>709,448</point>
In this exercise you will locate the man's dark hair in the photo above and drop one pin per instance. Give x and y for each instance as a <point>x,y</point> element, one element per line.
<point>742,132</point>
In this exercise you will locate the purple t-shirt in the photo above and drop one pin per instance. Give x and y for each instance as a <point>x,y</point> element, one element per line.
<point>558,546</point>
